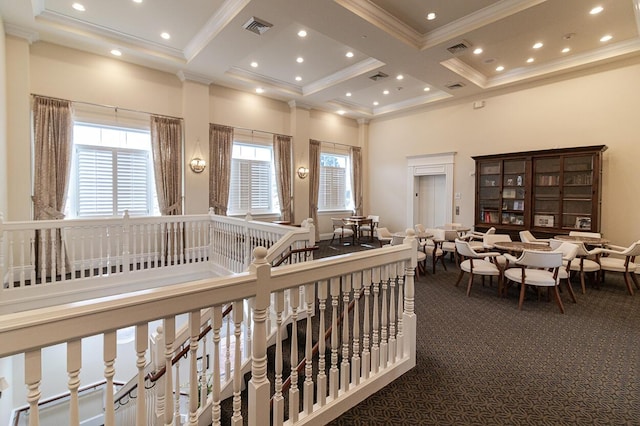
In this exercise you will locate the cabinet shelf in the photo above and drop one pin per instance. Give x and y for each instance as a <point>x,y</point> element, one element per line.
<point>550,190</point>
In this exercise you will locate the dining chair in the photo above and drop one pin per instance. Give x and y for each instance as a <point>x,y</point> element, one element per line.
<point>384,236</point>
<point>475,263</point>
<point>620,259</point>
<point>488,243</point>
<point>340,229</point>
<point>569,252</point>
<point>586,262</point>
<point>370,228</point>
<point>536,268</point>
<point>527,237</point>
<point>432,247</point>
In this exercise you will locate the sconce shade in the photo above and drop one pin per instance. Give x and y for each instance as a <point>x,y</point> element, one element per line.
<point>303,172</point>
<point>197,165</point>
<point>4,385</point>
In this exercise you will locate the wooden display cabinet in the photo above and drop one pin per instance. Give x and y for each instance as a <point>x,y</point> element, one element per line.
<point>549,192</point>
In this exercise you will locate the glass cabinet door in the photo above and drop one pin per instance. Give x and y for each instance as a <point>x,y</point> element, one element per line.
<point>577,194</point>
<point>513,192</point>
<point>546,192</point>
<point>489,192</point>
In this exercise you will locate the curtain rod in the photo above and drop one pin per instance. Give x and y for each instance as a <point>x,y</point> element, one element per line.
<point>337,143</point>
<point>116,108</point>
<point>254,130</point>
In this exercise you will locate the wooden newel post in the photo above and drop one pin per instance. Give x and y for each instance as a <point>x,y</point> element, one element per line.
<point>259,384</point>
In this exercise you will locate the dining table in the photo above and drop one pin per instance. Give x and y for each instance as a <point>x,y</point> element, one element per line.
<point>517,247</point>
<point>589,241</point>
<point>356,222</point>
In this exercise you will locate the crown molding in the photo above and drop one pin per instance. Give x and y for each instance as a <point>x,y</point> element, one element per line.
<point>343,75</point>
<point>21,32</point>
<point>293,104</point>
<point>258,79</point>
<point>466,71</point>
<point>197,78</point>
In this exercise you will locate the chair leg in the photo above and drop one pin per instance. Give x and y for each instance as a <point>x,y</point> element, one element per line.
<point>635,280</point>
<point>627,281</point>
<point>571,293</point>
<point>459,277</point>
<point>522,291</point>
<point>443,264</point>
<point>558,300</point>
<point>470,284</point>
<point>584,289</point>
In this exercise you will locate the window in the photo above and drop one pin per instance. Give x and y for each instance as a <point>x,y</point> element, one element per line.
<point>252,189</point>
<point>112,171</point>
<point>335,182</point>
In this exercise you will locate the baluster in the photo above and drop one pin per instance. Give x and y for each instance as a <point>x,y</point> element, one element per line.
<point>203,376</point>
<point>32,259</point>
<point>355,356</point>
<point>409,326</point>
<point>227,360</point>
<point>142,337</point>
<point>278,398</point>
<point>309,294</point>
<point>92,257</point>
<point>248,334</point>
<point>392,312</point>
<point>100,256</point>
<point>375,349</point>
<point>174,242</point>
<point>182,244</point>
<point>72,260</point>
<point>11,265</point>
<point>176,387</point>
<point>63,257</point>
<point>119,252</point>
<point>384,320</point>
<point>236,419</point>
<point>163,240</point>
<point>344,366</point>
<point>109,357</point>
<point>156,237</point>
<point>334,377</point>
<point>43,256</point>
<point>134,247</point>
<point>22,261</point>
<point>32,378</point>
<point>294,392</point>
<point>216,324</point>
<point>400,345</point>
<point>194,329</point>
<point>169,331</point>
<point>322,375</point>
<point>74,362</point>
<point>53,232</point>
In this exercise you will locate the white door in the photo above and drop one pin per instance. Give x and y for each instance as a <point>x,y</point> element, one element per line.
<point>432,200</point>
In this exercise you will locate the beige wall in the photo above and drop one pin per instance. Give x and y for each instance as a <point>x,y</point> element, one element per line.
<point>56,71</point>
<point>597,107</point>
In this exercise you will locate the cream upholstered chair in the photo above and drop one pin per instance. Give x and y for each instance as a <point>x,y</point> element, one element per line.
<point>384,236</point>
<point>488,243</point>
<point>433,247</point>
<point>536,268</point>
<point>476,263</point>
<point>569,252</point>
<point>340,229</point>
<point>528,237</point>
<point>586,262</point>
<point>620,259</point>
<point>369,229</point>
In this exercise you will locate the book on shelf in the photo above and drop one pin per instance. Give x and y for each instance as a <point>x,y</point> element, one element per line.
<point>548,180</point>
<point>489,217</point>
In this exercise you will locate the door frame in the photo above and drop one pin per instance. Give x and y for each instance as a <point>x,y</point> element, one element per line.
<point>429,165</point>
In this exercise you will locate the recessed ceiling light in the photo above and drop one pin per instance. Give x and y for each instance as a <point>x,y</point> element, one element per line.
<point>426,89</point>
<point>300,59</point>
<point>376,103</point>
<point>386,92</point>
<point>606,38</point>
<point>399,77</point>
<point>341,111</point>
<point>566,50</point>
<point>254,64</point>
<point>137,1</point>
<point>477,50</point>
<point>79,7</point>
<point>348,94</point>
<point>116,52</point>
<point>530,60</point>
<point>349,54</point>
<point>538,45</point>
<point>500,68</point>
<point>596,10</point>
<point>298,78</point>
<point>302,33</point>
<point>165,35</point>
<point>259,90</point>
<point>431,16</point>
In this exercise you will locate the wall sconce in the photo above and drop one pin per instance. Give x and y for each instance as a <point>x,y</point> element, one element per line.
<point>4,385</point>
<point>303,172</point>
<point>197,165</point>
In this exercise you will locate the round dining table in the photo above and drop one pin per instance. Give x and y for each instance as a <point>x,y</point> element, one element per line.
<point>517,247</point>
<point>590,241</point>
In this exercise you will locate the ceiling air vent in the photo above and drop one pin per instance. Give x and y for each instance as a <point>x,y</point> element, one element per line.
<point>256,25</point>
<point>378,76</point>
<point>453,86</point>
<point>459,48</point>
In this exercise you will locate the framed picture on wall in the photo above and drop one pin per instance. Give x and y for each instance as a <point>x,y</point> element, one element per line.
<point>583,222</point>
<point>543,220</point>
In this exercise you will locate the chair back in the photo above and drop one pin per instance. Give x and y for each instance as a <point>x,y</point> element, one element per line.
<point>489,240</point>
<point>375,219</point>
<point>450,235</point>
<point>396,240</point>
<point>540,259</point>
<point>420,228</point>
<point>527,237</point>
<point>464,249</point>
<point>337,222</point>
<point>568,250</point>
<point>384,233</point>
<point>632,250</point>
<point>585,234</point>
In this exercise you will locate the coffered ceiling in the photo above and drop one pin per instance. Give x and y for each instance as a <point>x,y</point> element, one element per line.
<point>362,58</point>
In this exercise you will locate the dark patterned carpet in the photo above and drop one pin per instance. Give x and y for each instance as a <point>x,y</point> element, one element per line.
<point>481,361</point>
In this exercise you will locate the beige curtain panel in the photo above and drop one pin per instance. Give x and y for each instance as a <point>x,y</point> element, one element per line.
<point>356,177</point>
<point>166,146</point>
<point>220,150</point>
<point>282,159</point>
<point>314,182</point>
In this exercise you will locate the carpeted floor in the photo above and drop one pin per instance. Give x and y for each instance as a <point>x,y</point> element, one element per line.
<point>481,361</point>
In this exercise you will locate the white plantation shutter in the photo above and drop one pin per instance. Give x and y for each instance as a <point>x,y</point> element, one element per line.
<point>332,188</point>
<point>250,189</point>
<point>112,180</point>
